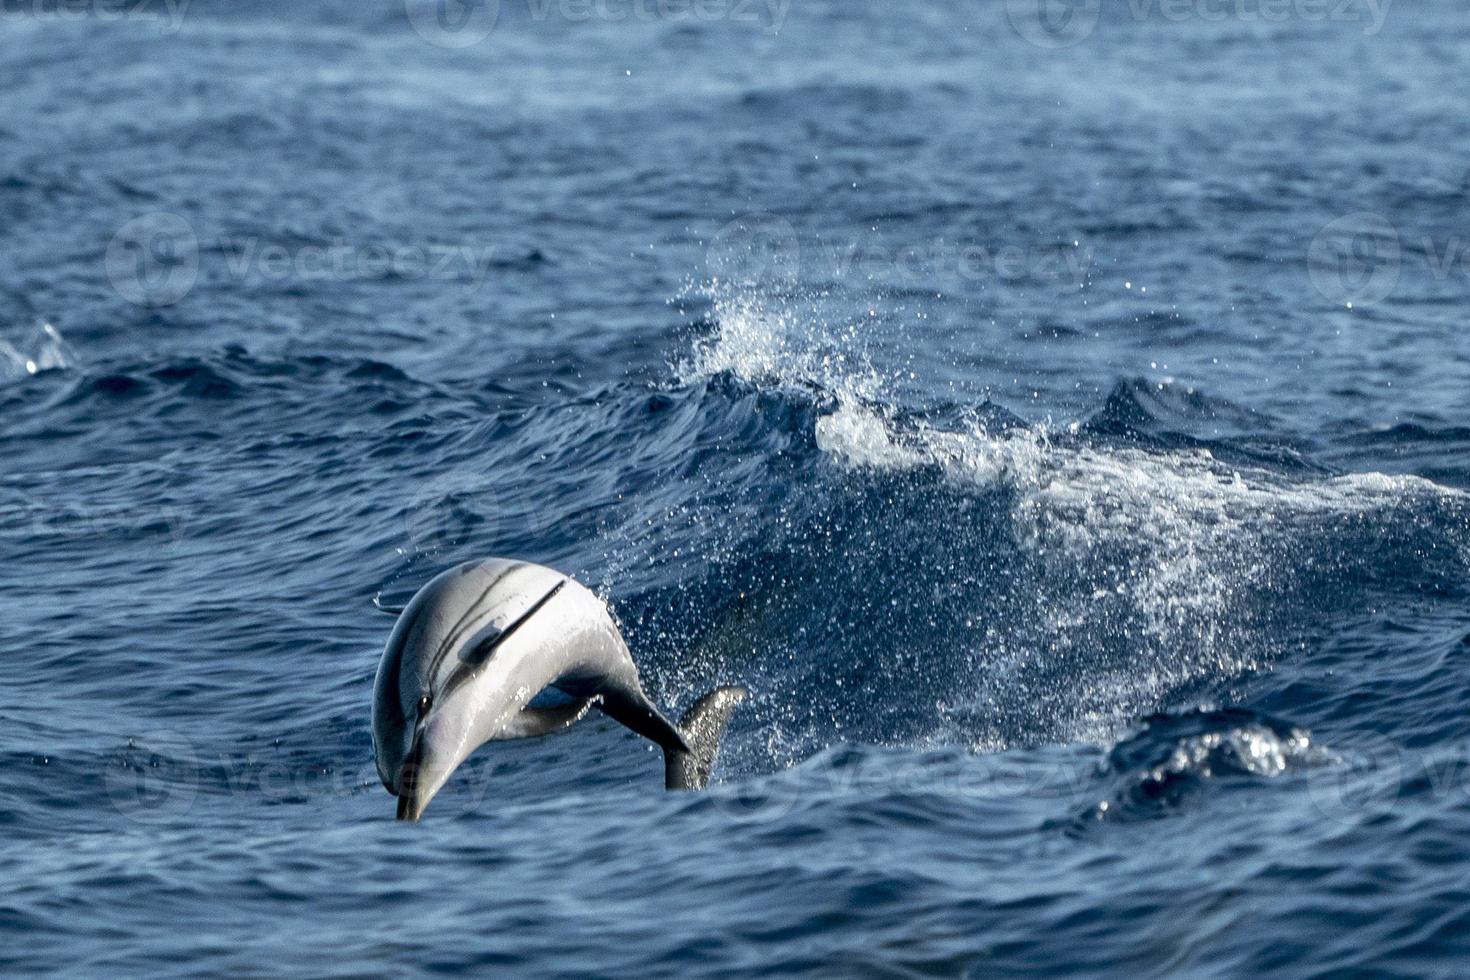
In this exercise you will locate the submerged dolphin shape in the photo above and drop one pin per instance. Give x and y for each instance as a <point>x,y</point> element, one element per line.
<point>473,648</point>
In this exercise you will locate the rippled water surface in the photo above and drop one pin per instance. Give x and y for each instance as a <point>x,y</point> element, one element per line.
<point>1059,425</point>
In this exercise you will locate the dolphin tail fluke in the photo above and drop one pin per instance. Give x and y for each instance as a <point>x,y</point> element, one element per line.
<point>703,726</point>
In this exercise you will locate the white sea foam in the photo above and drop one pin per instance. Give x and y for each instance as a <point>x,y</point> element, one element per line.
<point>783,343</point>
<point>1156,546</point>
<point>41,349</point>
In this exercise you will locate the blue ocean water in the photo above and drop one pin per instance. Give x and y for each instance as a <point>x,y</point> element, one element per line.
<point>1056,415</point>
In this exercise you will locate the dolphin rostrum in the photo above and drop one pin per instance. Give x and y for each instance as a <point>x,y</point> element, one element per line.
<point>473,648</point>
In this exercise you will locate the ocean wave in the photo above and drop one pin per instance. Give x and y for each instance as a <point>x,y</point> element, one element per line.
<point>1028,582</point>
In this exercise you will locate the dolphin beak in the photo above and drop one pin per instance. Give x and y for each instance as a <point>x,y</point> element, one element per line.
<point>410,807</point>
<point>442,739</point>
<point>437,749</point>
<point>411,799</point>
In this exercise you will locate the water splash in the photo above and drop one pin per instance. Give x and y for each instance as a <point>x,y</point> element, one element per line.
<point>1172,757</point>
<point>33,352</point>
<point>1032,581</point>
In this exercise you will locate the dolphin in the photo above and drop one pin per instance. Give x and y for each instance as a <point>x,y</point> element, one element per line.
<point>474,647</point>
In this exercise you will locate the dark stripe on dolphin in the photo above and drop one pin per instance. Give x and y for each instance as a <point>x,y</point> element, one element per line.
<point>395,667</point>
<point>482,653</point>
<point>463,624</point>
<point>408,772</point>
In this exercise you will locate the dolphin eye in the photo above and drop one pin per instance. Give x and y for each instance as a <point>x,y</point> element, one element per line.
<point>424,703</point>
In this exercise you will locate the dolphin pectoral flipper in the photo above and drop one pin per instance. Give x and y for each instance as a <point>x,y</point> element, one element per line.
<point>690,747</point>
<point>535,722</point>
<point>631,708</point>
